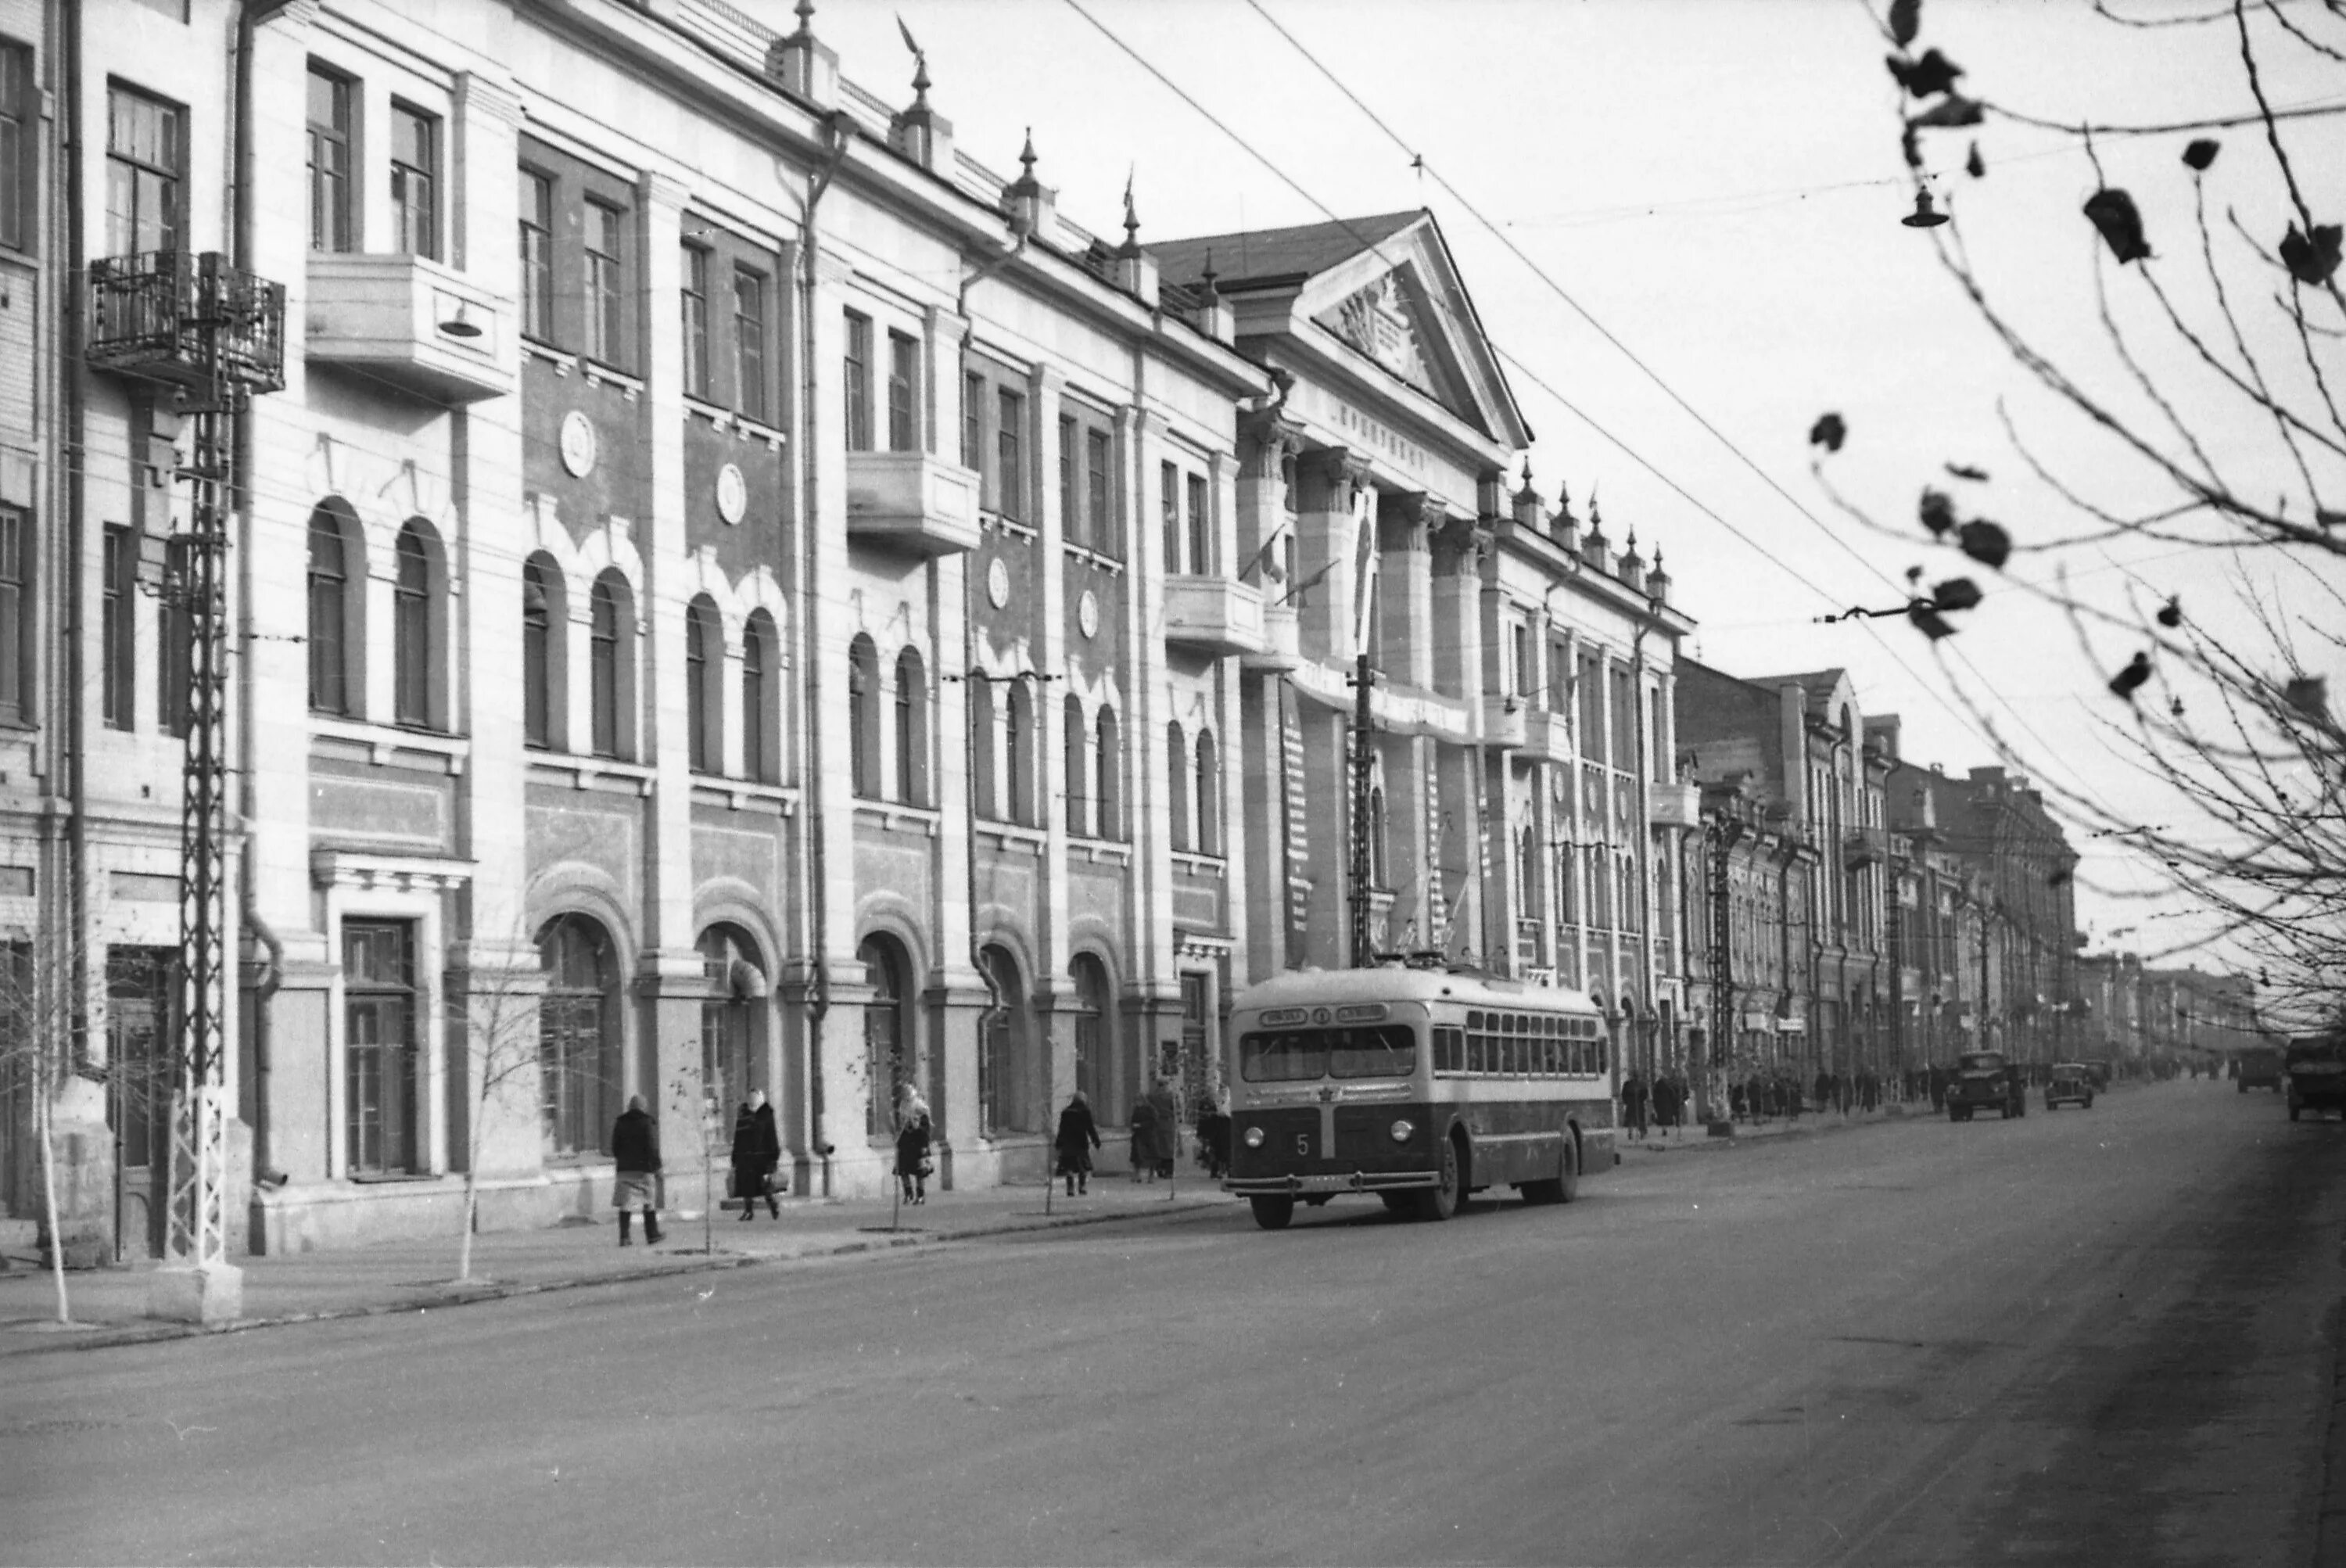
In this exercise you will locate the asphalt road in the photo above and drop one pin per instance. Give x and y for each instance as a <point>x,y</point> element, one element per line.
<point>2095,1337</point>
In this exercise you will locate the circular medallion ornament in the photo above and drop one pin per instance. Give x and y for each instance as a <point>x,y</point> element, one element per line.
<point>732,493</point>
<point>1087,613</point>
<point>997,583</point>
<point>577,445</point>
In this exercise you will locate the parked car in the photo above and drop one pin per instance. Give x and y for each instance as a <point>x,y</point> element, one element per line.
<point>2259,1069</point>
<point>2315,1069</point>
<point>2072,1084</point>
<point>1983,1080</point>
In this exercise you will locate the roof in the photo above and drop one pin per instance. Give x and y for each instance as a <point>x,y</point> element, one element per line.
<point>1258,257</point>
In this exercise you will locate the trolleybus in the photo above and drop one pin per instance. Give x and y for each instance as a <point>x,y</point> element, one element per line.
<point>1418,1086</point>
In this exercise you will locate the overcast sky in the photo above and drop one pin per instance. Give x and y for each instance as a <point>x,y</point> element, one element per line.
<point>1718,184</point>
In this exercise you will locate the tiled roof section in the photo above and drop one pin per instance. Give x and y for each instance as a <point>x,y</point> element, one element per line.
<point>1263,255</point>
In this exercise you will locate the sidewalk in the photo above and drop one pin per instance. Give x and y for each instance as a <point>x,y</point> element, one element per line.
<point>110,1304</point>
<point>1686,1139</point>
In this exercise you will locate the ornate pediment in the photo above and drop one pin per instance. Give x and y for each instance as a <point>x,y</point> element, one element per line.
<point>1391,322</point>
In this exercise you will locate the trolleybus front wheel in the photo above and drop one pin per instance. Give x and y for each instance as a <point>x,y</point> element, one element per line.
<point>1442,1201</point>
<point>1272,1211</point>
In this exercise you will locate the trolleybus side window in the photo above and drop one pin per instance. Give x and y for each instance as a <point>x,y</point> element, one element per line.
<point>1449,1048</point>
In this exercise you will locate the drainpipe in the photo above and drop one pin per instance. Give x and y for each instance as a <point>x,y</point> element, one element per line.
<point>239,501</point>
<point>67,211</point>
<point>840,133</point>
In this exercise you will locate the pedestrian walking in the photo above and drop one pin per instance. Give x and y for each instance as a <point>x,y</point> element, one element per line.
<point>756,1155</point>
<point>914,1133</point>
<point>1143,1140</point>
<point>1633,1102</point>
<point>1167,1119</point>
<point>1214,1135</point>
<point>1738,1102</point>
<point>634,1152</point>
<point>1078,1136</point>
<point>1666,1104</point>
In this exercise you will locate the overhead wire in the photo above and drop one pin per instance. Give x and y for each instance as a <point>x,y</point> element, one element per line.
<point>1419,162</point>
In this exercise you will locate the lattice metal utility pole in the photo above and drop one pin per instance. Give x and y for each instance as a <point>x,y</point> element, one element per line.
<point>218,334</point>
<point>1363,863</point>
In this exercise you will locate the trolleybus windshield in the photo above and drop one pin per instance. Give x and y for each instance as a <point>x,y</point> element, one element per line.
<point>1364,1051</point>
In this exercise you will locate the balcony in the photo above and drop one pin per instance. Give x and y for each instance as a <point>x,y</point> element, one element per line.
<point>1864,847</point>
<point>1502,722</point>
<point>1675,805</point>
<point>425,329</point>
<point>1531,945</point>
<point>187,320</point>
<point>1282,640</point>
<point>911,503</point>
<point>1548,735</point>
<point>1214,615</point>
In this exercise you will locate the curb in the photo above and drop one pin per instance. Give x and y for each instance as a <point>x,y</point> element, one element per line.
<point>100,1337</point>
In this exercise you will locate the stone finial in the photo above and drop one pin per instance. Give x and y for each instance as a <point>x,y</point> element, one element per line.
<point>1131,245</point>
<point>1032,205</point>
<point>804,10</point>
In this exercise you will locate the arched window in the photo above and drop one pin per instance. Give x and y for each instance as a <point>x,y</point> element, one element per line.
<point>1009,1084</point>
<point>761,754</point>
<point>704,722</point>
<point>887,1055</point>
<point>544,626</point>
<point>732,1015</point>
<point>1075,743</point>
<point>1091,1010</point>
<point>1177,782</point>
<point>864,716</point>
<point>611,640</point>
<point>986,802</point>
<point>911,728</point>
<point>578,1037</point>
<point>1209,796</point>
<point>330,627</point>
<point>414,624</point>
<point>1108,777</point>
<point>1018,751</point>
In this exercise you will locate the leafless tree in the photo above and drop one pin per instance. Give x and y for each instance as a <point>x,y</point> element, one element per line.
<point>2204,425</point>
<point>502,1057</point>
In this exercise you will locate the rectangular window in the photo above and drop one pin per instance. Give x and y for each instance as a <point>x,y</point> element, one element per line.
<point>1071,518</point>
<point>378,1048</point>
<point>1526,679</point>
<point>904,388</point>
<point>414,183</point>
<point>1169,498</point>
<point>1012,480</point>
<point>1101,518</point>
<point>1625,722</point>
<point>329,161</point>
<point>1592,707</point>
<point>118,594</point>
<point>1202,529</point>
<point>1559,677</point>
<point>538,256</point>
<point>695,269</point>
<point>18,115</point>
<point>605,235</point>
<point>859,382</point>
<point>749,343</point>
<point>973,425</point>
<point>14,529</point>
<point>145,159</point>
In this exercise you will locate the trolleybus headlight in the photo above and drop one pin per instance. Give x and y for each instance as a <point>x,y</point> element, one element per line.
<point>1254,1137</point>
<point>1403,1130</point>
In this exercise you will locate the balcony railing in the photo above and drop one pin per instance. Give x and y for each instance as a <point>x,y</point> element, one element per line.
<point>151,315</point>
<point>1675,805</point>
<point>911,503</point>
<point>1281,641</point>
<point>1864,847</point>
<point>413,323</point>
<point>1213,615</point>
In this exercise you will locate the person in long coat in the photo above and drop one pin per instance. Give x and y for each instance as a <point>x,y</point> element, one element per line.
<point>1214,1135</point>
<point>1633,1103</point>
<point>1078,1136</point>
<point>634,1152</point>
<point>1144,1139</point>
<point>756,1155</point>
<point>1168,1127</point>
<point>912,1135</point>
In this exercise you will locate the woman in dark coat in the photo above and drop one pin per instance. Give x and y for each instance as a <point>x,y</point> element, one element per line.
<point>1143,1140</point>
<point>1078,1135</point>
<point>912,1150</point>
<point>634,1154</point>
<point>757,1154</point>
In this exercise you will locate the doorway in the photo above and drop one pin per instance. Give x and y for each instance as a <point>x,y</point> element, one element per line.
<point>139,1084</point>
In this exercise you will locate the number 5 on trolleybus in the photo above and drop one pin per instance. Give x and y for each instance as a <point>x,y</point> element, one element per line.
<point>1417,1086</point>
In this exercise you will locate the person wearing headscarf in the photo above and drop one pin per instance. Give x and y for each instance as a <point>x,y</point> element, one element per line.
<point>756,1155</point>
<point>914,1133</point>
<point>635,1151</point>
<point>1078,1136</point>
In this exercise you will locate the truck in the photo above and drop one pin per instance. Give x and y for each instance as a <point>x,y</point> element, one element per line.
<point>2259,1069</point>
<point>1984,1081</point>
<point>2313,1069</point>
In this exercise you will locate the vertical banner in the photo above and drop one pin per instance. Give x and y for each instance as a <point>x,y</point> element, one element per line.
<point>1296,812</point>
<point>1364,568</point>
